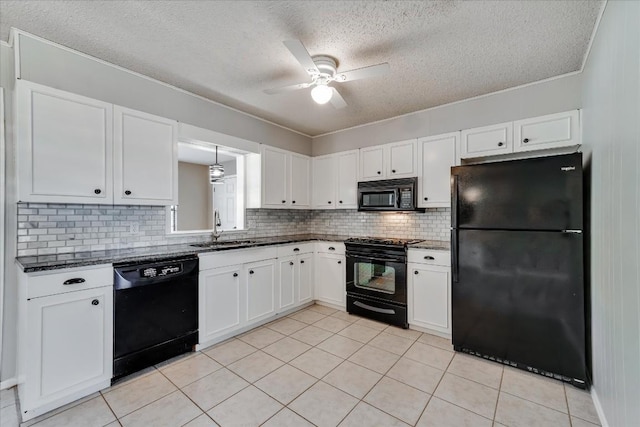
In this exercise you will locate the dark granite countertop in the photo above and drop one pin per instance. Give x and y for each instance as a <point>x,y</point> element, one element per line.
<point>31,264</point>
<point>438,245</point>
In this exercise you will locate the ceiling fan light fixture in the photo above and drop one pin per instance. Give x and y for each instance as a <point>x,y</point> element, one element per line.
<point>321,94</point>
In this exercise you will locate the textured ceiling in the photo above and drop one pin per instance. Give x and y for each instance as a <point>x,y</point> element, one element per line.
<point>439,51</point>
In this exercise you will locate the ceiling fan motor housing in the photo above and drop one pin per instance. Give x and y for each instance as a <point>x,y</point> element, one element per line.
<point>326,65</point>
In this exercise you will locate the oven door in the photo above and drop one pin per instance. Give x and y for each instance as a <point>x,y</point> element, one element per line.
<point>383,277</point>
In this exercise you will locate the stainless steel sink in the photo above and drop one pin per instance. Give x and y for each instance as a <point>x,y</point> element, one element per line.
<point>224,243</point>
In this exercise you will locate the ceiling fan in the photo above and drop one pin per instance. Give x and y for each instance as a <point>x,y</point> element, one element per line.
<point>323,70</point>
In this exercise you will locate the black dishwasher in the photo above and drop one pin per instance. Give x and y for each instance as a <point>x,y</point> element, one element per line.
<point>155,312</point>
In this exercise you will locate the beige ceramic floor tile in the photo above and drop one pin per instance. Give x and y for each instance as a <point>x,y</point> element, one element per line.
<point>311,335</point>
<point>409,334</point>
<point>366,415</point>
<point>423,377</point>
<point>7,397</point>
<point>323,309</point>
<point>391,343</point>
<point>138,393</point>
<point>250,407</point>
<point>213,389</point>
<point>255,366</point>
<point>63,408</point>
<point>353,379</point>
<point>9,416</point>
<point>372,324</point>
<point>172,410</point>
<point>130,378</point>
<point>307,316</point>
<point>114,424</point>
<point>581,404</point>
<point>176,359</point>
<point>429,355</point>
<point>343,315</point>
<point>340,346</point>
<point>286,349</point>
<point>467,394</point>
<point>94,412</point>
<point>374,358</point>
<point>285,383</point>
<point>323,405</point>
<point>331,324</point>
<point>286,325</point>
<point>536,388</point>
<point>398,399</point>
<point>476,369</point>
<point>316,362</point>
<point>444,414</point>
<point>261,338</point>
<point>578,422</point>
<point>287,418</point>
<point>189,370</point>
<point>515,412</point>
<point>359,333</point>
<point>436,341</point>
<point>202,421</point>
<point>230,351</point>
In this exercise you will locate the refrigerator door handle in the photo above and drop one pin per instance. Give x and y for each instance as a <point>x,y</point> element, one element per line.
<point>454,255</point>
<point>572,231</point>
<point>454,201</point>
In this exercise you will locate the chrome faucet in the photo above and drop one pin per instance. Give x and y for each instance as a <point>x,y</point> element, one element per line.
<point>216,223</point>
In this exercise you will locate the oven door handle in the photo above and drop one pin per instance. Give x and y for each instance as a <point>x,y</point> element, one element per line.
<point>372,308</point>
<point>367,257</point>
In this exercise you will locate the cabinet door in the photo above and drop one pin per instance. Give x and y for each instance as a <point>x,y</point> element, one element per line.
<point>324,182</point>
<point>551,131</point>
<point>145,158</point>
<point>487,141</point>
<point>287,270</point>
<point>219,302</point>
<point>330,279</point>
<point>274,178</point>
<point>64,146</point>
<point>70,341</point>
<point>300,181</point>
<point>347,180</point>
<point>437,155</point>
<point>402,159</point>
<point>261,290</point>
<point>372,163</point>
<point>430,297</point>
<point>305,278</point>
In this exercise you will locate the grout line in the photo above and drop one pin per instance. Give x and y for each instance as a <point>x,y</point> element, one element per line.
<point>495,409</point>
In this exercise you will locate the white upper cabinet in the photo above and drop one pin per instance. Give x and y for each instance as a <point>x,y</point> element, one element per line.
<point>64,146</point>
<point>437,156</point>
<point>537,133</point>
<point>487,141</point>
<point>335,181</point>
<point>145,158</point>
<point>389,161</point>
<point>552,131</point>
<point>285,179</point>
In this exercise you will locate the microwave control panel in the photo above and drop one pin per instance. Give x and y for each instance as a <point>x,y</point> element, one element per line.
<point>406,198</point>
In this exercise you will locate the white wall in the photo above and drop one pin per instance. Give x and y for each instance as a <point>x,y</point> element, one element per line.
<point>64,69</point>
<point>195,203</point>
<point>546,97</point>
<point>611,112</point>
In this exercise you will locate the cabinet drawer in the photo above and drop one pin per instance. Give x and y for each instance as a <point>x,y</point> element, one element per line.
<point>330,247</point>
<point>426,256</point>
<point>288,250</point>
<point>46,283</point>
<point>235,256</point>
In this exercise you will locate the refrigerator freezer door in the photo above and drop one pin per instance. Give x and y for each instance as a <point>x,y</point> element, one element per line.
<point>519,296</point>
<point>534,194</point>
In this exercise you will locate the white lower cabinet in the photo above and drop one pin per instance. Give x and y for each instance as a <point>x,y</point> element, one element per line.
<point>429,290</point>
<point>288,281</point>
<point>330,285</point>
<point>220,302</point>
<point>295,274</point>
<point>305,278</point>
<point>261,290</point>
<point>66,338</point>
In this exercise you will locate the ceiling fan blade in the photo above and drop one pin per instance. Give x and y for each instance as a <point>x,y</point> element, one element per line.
<point>298,50</point>
<point>363,73</point>
<point>337,100</point>
<point>287,88</point>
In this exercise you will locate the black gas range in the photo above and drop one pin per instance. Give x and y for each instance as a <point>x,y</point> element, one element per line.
<point>377,278</point>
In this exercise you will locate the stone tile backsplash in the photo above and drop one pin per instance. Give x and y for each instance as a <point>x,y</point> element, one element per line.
<point>45,229</point>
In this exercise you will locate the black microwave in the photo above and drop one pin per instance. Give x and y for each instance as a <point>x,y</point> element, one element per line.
<point>388,195</point>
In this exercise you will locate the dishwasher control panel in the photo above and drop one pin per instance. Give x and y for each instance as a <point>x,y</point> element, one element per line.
<point>161,270</point>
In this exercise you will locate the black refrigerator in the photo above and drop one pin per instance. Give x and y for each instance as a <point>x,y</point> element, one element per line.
<point>518,293</point>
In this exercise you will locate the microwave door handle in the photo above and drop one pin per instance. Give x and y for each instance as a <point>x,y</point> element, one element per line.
<point>397,192</point>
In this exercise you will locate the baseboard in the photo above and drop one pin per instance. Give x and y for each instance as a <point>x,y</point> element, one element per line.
<point>599,410</point>
<point>8,383</point>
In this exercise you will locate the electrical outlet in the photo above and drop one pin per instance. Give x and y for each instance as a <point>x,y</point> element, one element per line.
<point>134,228</point>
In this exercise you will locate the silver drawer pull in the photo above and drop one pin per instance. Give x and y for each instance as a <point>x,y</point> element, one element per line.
<point>376,309</point>
<point>429,257</point>
<point>74,281</point>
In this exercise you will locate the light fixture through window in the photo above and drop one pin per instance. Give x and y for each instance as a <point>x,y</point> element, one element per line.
<point>322,93</point>
<point>216,171</point>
